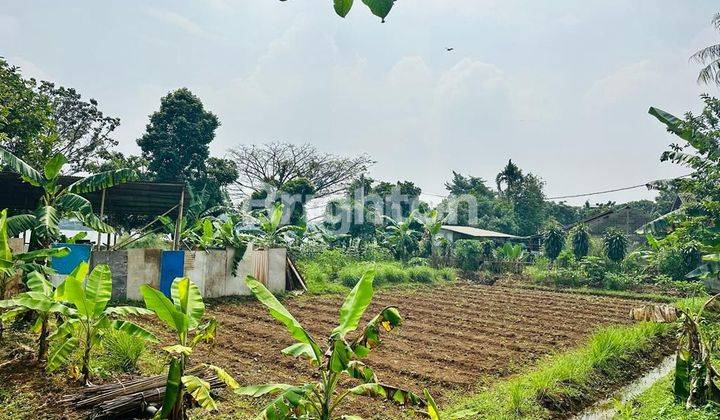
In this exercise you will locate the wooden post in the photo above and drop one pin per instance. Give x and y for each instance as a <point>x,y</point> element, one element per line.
<point>178,222</point>
<point>102,214</point>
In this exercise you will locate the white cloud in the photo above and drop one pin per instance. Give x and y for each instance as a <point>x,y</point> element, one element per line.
<point>181,22</point>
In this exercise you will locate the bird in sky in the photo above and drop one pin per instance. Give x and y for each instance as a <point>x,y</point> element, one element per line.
<point>450,49</point>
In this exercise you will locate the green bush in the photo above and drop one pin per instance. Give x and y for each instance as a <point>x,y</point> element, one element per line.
<point>422,274</point>
<point>468,254</point>
<point>447,274</point>
<point>122,351</point>
<point>566,259</point>
<point>594,268</point>
<point>384,273</point>
<point>418,261</point>
<point>676,262</point>
<point>619,281</point>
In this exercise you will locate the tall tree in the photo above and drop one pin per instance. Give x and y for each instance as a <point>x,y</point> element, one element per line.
<point>511,176</point>
<point>277,163</point>
<point>461,184</point>
<point>176,140</point>
<point>39,121</point>
<point>81,130</point>
<point>710,58</point>
<point>25,115</point>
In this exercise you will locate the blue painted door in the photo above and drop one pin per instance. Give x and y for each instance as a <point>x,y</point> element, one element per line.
<point>172,265</point>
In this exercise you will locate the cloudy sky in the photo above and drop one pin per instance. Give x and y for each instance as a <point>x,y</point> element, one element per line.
<point>561,87</point>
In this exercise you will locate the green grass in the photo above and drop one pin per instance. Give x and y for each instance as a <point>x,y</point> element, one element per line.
<point>658,402</point>
<point>19,404</point>
<point>562,377</point>
<point>603,292</point>
<point>323,278</point>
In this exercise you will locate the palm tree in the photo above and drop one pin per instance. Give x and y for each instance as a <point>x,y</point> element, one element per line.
<point>511,175</point>
<point>710,58</point>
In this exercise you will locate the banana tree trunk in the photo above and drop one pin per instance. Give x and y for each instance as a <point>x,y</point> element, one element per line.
<point>42,341</point>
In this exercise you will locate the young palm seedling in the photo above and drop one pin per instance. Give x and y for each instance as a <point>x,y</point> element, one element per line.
<point>183,315</point>
<point>90,318</point>
<point>341,358</point>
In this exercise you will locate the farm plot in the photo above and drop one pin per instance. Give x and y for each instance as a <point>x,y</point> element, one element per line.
<point>453,337</point>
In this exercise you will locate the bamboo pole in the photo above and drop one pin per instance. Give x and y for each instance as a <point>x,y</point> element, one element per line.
<point>178,222</point>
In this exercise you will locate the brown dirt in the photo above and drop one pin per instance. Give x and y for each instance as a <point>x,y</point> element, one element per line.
<point>453,338</point>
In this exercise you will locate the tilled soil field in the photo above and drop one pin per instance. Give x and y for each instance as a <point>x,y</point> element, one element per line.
<point>453,337</point>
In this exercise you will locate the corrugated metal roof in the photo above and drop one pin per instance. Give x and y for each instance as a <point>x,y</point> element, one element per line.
<point>131,198</point>
<point>477,232</point>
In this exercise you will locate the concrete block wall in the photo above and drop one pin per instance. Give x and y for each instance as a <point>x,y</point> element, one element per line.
<point>210,270</point>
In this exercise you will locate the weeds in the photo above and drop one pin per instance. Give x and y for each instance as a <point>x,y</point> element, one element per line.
<point>122,351</point>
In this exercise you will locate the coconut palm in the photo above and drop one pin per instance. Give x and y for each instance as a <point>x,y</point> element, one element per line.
<point>710,58</point>
<point>57,200</point>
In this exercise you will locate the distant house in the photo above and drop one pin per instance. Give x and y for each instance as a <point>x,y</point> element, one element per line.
<point>625,218</point>
<point>453,233</point>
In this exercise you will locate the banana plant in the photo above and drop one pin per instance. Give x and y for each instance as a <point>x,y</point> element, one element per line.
<point>59,201</point>
<point>14,266</point>
<point>183,314</point>
<point>340,358</point>
<point>38,299</point>
<point>90,317</point>
<point>400,237</point>
<point>271,232</point>
<point>696,378</point>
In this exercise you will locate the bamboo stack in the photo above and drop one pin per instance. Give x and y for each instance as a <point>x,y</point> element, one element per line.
<point>137,398</point>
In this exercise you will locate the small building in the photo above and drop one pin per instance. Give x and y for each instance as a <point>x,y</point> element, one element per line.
<point>453,233</point>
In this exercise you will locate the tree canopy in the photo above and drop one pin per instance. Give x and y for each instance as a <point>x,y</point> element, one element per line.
<point>40,120</point>
<point>176,140</point>
<point>276,163</point>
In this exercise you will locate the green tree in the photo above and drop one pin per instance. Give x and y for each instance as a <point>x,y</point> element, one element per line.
<point>401,238</point>
<point>176,140</point>
<point>528,202</point>
<point>81,132</point>
<point>510,176</point>
<point>580,236</point>
<point>710,58</point>
<point>25,115</point>
<point>40,120</point>
<point>461,184</point>
<point>553,241</point>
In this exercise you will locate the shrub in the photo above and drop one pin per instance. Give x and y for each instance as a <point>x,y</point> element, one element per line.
<point>618,281</point>
<point>615,244</point>
<point>468,254</point>
<point>565,260</point>
<point>580,236</point>
<point>553,241</point>
<point>422,274</point>
<point>676,262</point>
<point>122,351</point>
<point>332,261</point>
<point>418,261</point>
<point>594,268</point>
<point>447,274</point>
<point>385,273</point>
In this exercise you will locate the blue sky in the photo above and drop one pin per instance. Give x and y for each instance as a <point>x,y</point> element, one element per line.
<point>561,87</point>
